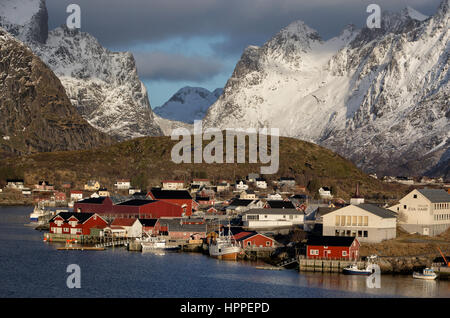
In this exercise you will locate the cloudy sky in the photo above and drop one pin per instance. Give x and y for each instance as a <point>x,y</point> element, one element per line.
<point>198,42</point>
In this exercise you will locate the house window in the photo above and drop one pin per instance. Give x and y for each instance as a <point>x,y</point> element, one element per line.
<point>342,220</point>
<point>365,234</point>
<point>359,233</point>
<point>66,229</point>
<point>366,221</point>
<point>267,243</point>
<point>249,243</point>
<point>404,207</point>
<point>344,253</point>
<point>338,220</point>
<point>359,220</point>
<point>349,220</point>
<point>337,233</point>
<point>415,196</point>
<point>354,222</point>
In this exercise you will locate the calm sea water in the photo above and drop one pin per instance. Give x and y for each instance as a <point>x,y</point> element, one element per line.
<point>32,268</point>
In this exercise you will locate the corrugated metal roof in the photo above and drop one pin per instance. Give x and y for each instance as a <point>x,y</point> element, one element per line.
<point>435,195</point>
<point>274,211</point>
<point>381,212</point>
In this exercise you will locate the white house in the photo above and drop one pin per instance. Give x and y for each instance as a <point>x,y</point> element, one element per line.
<point>241,186</point>
<point>17,184</point>
<point>261,183</point>
<point>325,193</point>
<point>275,196</point>
<point>76,195</point>
<point>237,206</point>
<point>367,222</point>
<point>424,211</point>
<point>133,191</point>
<point>132,227</point>
<point>123,184</point>
<point>272,218</point>
<point>172,185</point>
<point>248,195</point>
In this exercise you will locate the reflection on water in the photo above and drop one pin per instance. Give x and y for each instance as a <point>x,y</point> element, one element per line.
<point>32,268</point>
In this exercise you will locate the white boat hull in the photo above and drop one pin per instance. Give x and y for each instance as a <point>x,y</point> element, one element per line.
<point>425,277</point>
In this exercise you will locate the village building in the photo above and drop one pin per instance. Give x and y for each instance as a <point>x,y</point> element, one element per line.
<point>238,206</point>
<point>201,182</point>
<point>123,184</point>
<point>424,211</point>
<point>357,198</point>
<point>253,240</point>
<point>251,177</point>
<point>92,185</point>
<point>241,185</point>
<point>404,180</point>
<point>132,226</point>
<point>134,208</point>
<point>173,185</point>
<point>181,198</point>
<point>69,223</point>
<point>26,192</point>
<point>274,196</point>
<point>248,195</point>
<point>261,183</point>
<point>279,204</point>
<point>332,248</point>
<point>183,229</point>
<point>44,186</point>
<point>272,218</point>
<point>286,182</point>
<point>150,227</point>
<point>132,191</point>
<point>325,193</point>
<point>59,197</point>
<point>76,195</point>
<point>368,222</point>
<point>103,192</point>
<point>298,199</point>
<point>223,186</point>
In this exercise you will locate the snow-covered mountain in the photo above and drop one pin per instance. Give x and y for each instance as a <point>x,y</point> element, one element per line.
<point>188,104</point>
<point>103,85</point>
<point>377,96</point>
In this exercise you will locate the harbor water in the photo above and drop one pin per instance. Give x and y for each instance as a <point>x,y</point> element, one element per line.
<point>33,268</point>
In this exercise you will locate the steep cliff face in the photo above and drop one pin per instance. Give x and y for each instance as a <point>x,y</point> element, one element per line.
<point>378,97</point>
<point>35,113</point>
<point>102,85</point>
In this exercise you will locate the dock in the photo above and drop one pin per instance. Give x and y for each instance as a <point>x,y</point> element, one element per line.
<point>332,266</point>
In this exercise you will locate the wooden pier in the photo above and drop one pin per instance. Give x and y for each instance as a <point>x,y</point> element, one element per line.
<point>80,248</point>
<point>332,266</point>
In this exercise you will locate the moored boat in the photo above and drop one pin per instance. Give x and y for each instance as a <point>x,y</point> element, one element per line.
<point>224,247</point>
<point>427,274</point>
<point>156,244</point>
<point>354,270</point>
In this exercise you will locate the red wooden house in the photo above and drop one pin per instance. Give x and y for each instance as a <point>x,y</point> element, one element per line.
<point>179,197</point>
<point>332,247</point>
<point>70,223</point>
<point>253,239</point>
<point>150,226</point>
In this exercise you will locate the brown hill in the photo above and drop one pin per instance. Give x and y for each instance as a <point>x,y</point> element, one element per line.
<point>147,161</point>
<point>35,113</point>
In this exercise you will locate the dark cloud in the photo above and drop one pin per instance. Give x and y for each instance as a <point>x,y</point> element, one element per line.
<point>176,67</point>
<point>242,22</point>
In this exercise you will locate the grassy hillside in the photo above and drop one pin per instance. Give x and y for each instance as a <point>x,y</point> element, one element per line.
<point>147,161</point>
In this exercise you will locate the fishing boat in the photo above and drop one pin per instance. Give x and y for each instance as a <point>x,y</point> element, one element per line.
<point>354,270</point>
<point>224,247</point>
<point>427,274</point>
<point>38,214</point>
<point>156,244</point>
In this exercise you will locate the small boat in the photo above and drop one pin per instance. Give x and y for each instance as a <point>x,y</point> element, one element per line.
<point>156,244</point>
<point>354,270</point>
<point>427,274</point>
